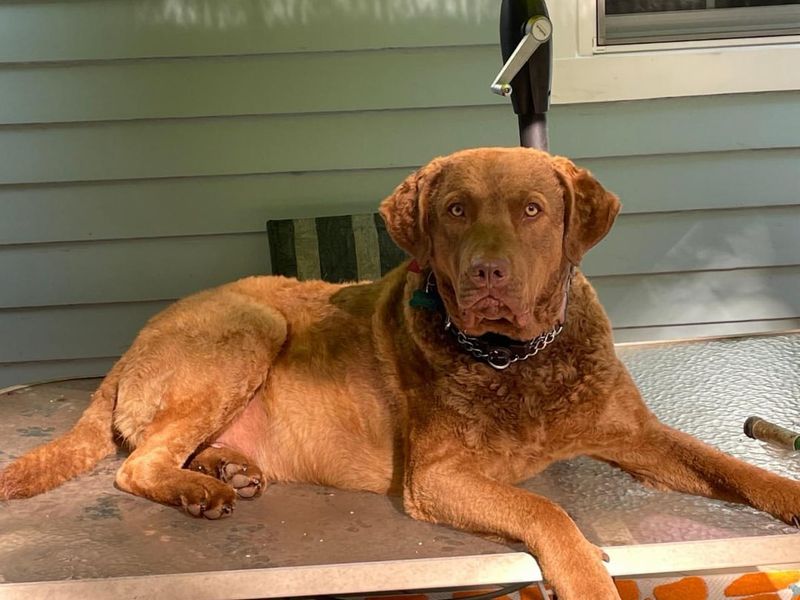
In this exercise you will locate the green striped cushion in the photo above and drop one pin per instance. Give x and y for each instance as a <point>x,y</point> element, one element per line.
<point>336,249</point>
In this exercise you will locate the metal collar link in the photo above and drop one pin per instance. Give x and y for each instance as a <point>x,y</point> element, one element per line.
<point>502,357</point>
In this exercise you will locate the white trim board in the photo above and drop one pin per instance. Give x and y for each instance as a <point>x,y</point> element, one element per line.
<point>584,72</point>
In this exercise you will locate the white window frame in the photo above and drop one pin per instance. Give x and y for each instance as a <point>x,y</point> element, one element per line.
<point>586,72</point>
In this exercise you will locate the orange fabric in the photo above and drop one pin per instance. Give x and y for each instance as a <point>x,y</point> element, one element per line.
<point>759,583</point>
<point>763,597</point>
<point>688,588</point>
<point>628,589</point>
<point>471,593</point>
<point>531,593</point>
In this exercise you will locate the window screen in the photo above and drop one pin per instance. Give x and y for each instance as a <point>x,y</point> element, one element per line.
<point>642,21</point>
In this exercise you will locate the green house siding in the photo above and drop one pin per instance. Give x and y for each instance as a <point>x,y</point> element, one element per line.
<point>145,144</point>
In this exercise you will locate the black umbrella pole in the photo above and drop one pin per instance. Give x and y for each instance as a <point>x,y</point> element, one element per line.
<point>533,131</point>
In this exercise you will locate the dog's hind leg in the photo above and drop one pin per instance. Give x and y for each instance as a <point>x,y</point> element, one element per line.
<point>192,416</point>
<point>231,467</point>
<point>181,390</point>
<point>50,465</point>
<point>154,470</point>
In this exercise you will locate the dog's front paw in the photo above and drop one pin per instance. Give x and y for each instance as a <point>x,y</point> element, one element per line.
<point>231,467</point>
<point>247,480</point>
<point>211,499</point>
<point>785,502</point>
<point>577,571</point>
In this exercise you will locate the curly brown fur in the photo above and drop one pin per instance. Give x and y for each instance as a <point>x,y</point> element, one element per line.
<point>347,385</point>
<point>51,464</point>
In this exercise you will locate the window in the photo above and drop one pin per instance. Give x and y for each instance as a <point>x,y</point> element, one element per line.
<point>628,68</point>
<point>647,21</point>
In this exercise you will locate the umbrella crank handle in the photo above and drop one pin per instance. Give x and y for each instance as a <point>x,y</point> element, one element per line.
<point>537,31</point>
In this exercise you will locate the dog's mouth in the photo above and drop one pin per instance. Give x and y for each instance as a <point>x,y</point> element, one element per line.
<point>490,313</point>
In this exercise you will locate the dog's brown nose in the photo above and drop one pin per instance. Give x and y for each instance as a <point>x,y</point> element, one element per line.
<point>489,272</point>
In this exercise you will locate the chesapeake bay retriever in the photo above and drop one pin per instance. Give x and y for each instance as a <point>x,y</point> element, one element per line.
<point>455,376</point>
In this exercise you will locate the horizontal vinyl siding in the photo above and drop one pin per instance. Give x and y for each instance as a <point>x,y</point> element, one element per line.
<point>703,180</point>
<point>102,30</point>
<point>701,297</point>
<point>200,87</point>
<point>208,205</point>
<point>40,371</point>
<point>239,145</point>
<point>698,241</point>
<point>377,139</point>
<point>71,332</point>
<point>185,206</point>
<point>127,270</point>
<point>145,144</point>
<point>136,270</point>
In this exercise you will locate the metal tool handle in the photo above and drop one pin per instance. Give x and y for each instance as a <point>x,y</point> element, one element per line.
<point>526,46</point>
<point>537,31</point>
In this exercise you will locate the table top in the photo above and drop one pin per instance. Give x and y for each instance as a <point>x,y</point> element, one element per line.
<point>87,538</point>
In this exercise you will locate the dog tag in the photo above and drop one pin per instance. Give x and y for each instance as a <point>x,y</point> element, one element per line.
<point>499,358</point>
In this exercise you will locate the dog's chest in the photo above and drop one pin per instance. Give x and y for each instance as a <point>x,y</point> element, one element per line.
<point>543,410</point>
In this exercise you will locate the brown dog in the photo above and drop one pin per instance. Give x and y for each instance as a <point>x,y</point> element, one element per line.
<point>447,385</point>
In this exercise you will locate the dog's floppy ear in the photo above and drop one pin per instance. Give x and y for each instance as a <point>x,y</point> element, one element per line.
<point>405,211</point>
<point>589,209</point>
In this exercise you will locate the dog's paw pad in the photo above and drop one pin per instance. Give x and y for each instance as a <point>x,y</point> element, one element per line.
<point>251,490</point>
<point>245,479</point>
<point>231,468</point>
<point>218,512</point>
<point>239,480</point>
<point>227,471</point>
<point>208,498</point>
<point>246,486</point>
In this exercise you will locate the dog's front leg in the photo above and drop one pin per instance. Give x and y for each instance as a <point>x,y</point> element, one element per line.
<point>669,459</point>
<point>456,493</point>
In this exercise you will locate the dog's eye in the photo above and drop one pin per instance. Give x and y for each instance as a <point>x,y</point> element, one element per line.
<point>532,209</point>
<point>457,210</point>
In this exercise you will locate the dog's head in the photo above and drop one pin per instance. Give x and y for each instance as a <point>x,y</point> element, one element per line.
<point>500,228</point>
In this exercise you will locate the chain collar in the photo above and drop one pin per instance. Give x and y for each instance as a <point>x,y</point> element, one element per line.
<point>501,355</point>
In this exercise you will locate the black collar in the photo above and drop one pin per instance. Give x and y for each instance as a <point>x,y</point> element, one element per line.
<point>501,351</point>
<point>498,351</point>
